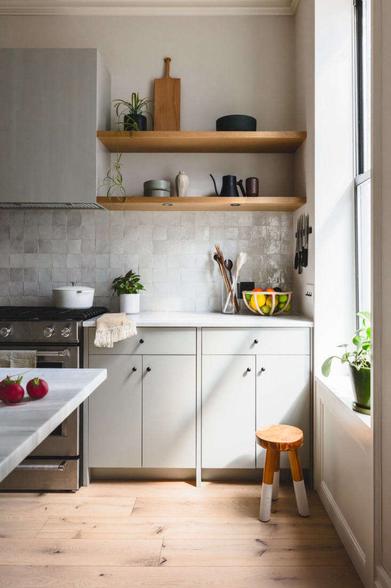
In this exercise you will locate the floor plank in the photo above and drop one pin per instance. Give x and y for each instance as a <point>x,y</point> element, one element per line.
<point>167,534</point>
<point>253,552</point>
<point>85,552</point>
<point>75,527</point>
<point>166,577</point>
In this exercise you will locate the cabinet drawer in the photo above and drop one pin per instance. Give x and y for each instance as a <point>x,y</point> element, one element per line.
<point>151,341</point>
<point>274,341</point>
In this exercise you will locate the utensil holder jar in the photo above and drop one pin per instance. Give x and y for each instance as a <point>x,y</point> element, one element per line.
<point>227,299</point>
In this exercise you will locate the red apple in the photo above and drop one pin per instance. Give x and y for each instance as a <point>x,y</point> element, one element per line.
<point>37,388</point>
<point>11,392</point>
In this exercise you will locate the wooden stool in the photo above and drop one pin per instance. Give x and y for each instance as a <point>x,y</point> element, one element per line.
<point>275,439</point>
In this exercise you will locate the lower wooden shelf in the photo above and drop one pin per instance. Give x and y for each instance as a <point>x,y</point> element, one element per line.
<point>206,203</point>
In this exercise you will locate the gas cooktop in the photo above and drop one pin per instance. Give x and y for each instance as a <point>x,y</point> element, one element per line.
<point>48,313</point>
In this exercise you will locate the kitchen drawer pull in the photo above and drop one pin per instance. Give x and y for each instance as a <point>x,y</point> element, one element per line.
<point>149,369</point>
<point>141,341</point>
<point>256,341</point>
<point>262,370</point>
<point>134,369</point>
<point>42,467</point>
<point>248,369</point>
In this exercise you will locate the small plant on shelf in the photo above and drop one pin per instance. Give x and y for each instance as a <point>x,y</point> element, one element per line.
<point>113,181</point>
<point>128,288</point>
<point>132,112</point>
<point>359,359</point>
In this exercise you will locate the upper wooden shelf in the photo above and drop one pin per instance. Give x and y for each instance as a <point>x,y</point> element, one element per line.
<point>207,203</point>
<point>202,141</point>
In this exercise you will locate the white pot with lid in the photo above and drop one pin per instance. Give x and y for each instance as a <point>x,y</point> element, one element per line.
<point>73,297</point>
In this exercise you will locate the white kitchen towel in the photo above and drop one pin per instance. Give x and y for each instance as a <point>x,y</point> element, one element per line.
<point>18,359</point>
<point>113,327</point>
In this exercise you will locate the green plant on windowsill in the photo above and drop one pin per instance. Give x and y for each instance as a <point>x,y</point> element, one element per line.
<point>359,359</point>
<point>133,112</point>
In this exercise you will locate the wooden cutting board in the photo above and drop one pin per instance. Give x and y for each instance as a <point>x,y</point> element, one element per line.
<point>167,101</point>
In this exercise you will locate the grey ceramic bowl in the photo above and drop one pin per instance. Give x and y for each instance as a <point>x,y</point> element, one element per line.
<point>157,188</point>
<point>236,122</point>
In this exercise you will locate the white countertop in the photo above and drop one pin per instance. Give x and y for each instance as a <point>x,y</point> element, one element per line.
<point>212,319</point>
<point>23,426</point>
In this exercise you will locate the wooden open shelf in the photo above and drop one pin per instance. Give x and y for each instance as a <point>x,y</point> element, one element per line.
<point>207,203</point>
<point>202,141</point>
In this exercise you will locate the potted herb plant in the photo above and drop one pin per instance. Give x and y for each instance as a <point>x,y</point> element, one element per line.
<point>133,111</point>
<point>128,287</point>
<point>113,182</point>
<point>359,360</point>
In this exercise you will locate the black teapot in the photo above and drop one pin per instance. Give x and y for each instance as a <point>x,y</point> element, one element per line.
<point>229,186</point>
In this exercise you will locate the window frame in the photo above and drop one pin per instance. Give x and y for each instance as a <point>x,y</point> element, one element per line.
<point>362,173</point>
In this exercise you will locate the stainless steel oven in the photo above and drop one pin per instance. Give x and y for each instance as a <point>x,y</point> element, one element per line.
<point>56,335</point>
<point>55,463</point>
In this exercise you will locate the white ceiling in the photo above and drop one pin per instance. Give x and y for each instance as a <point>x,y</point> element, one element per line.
<point>152,7</point>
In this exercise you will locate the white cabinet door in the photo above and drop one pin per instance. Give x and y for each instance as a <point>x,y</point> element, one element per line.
<point>169,411</point>
<point>115,413</point>
<point>283,396</point>
<point>228,411</point>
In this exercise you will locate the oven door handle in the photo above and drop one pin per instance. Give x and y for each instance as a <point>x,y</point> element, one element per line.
<point>63,354</point>
<point>60,467</point>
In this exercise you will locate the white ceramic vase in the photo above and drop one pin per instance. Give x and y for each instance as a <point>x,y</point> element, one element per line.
<point>129,303</point>
<point>182,184</point>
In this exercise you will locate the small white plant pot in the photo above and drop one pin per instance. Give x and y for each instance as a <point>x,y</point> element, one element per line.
<point>129,303</point>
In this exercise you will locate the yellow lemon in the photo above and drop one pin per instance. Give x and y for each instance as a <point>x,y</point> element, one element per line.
<point>260,298</point>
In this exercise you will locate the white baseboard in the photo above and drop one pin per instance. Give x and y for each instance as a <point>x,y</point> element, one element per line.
<point>383,579</point>
<point>348,538</point>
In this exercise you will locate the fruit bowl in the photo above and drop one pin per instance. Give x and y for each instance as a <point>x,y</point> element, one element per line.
<point>267,303</point>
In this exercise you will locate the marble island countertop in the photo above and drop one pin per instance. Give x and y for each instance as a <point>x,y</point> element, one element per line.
<point>212,319</point>
<point>23,426</point>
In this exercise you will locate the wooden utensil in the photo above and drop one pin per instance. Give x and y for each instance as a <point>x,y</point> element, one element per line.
<point>167,101</point>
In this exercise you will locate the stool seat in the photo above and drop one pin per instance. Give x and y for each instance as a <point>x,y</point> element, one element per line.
<point>280,437</point>
<point>275,439</point>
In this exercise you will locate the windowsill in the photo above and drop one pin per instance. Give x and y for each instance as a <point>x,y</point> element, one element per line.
<point>342,388</point>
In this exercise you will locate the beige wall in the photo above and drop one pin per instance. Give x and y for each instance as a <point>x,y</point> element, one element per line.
<point>227,65</point>
<point>304,160</point>
<point>382,283</point>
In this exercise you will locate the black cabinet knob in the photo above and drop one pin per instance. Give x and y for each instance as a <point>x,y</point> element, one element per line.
<point>141,341</point>
<point>262,370</point>
<point>248,370</point>
<point>148,369</point>
<point>134,369</point>
<point>256,341</point>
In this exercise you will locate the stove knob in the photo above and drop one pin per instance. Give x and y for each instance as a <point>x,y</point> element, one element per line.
<point>5,331</point>
<point>66,331</point>
<point>48,332</point>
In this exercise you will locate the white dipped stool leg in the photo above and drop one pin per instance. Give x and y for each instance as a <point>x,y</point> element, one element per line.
<point>301,498</point>
<point>276,477</point>
<point>276,485</point>
<point>298,484</point>
<point>265,507</point>
<point>267,485</point>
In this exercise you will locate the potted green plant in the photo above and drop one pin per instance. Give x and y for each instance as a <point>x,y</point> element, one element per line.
<point>359,360</point>
<point>128,288</point>
<point>133,111</point>
<point>113,182</point>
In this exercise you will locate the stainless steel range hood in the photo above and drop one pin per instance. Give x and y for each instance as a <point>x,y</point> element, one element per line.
<point>45,205</point>
<point>52,103</point>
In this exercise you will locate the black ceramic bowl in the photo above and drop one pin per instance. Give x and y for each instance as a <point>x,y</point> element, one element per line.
<point>236,122</point>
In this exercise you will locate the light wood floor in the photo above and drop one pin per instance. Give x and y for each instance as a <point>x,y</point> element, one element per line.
<point>167,534</point>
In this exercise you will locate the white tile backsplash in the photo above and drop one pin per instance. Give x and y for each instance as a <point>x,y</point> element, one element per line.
<point>171,250</point>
